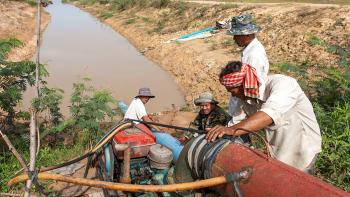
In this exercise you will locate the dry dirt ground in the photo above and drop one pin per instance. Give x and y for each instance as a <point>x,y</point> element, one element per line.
<point>18,20</point>
<point>194,65</point>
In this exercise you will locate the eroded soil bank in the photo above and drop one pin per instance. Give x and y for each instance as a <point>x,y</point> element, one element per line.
<point>18,20</point>
<point>292,33</point>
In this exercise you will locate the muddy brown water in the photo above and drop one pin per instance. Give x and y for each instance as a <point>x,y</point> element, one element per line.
<point>76,45</point>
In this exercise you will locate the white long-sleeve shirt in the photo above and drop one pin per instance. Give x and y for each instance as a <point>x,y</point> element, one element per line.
<point>255,55</point>
<point>294,138</point>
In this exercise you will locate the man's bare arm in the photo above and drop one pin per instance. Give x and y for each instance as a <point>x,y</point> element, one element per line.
<point>253,123</point>
<point>148,119</point>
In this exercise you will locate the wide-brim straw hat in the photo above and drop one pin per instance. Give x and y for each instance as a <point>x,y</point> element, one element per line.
<point>242,25</point>
<point>205,97</point>
<point>145,92</point>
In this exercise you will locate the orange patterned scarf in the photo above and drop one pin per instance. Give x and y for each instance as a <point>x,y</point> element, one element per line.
<point>246,76</point>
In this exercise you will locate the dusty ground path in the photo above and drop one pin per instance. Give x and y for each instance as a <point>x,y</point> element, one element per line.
<point>194,65</point>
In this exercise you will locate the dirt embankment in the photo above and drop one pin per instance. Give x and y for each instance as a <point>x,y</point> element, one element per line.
<point>194,65</point>
<point>18,20</point>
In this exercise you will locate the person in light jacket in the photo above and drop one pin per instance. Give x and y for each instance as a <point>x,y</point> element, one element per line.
<point>283,111</point>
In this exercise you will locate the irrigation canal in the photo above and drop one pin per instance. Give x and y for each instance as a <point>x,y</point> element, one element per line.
<point>76,44</point>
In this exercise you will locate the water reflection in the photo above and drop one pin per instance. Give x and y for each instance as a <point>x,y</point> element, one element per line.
<point>76,45</point>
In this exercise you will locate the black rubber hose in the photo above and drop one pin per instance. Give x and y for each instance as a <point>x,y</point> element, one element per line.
<point>168,126</point>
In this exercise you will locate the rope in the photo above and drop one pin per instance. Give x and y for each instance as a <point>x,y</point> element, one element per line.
<point>259,136</point>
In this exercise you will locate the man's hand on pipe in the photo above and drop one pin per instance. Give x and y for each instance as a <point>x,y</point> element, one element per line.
<point>217,132</point>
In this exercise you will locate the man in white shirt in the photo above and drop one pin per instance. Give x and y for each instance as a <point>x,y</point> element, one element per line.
<point>137,111</point>
<point>243,31</point>
<point>283,110</point>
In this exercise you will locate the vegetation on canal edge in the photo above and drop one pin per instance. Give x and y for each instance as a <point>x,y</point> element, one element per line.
<point>62,138</point>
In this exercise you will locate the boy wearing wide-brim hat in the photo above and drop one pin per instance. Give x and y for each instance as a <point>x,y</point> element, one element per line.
<point>145,92</point>
<point>243,30</point>
<point>137,111</point>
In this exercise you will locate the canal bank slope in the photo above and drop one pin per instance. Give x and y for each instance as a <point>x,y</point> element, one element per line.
<point>18,20</point>
<point>294,34</point>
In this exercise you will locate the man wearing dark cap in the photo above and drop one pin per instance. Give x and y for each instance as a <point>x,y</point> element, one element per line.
<point>210,114</point>
<point>243,30</point>
<point>283,111</point>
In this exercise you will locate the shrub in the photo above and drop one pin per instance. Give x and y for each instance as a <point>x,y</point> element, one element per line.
<point>333,163</point>
<point>334,87</point>
<point>90,107</point>
<point>103,1</point>
<point>124,4</point>
<point>105,15</point>
<point>160,3</point>
<point>49,101</point>
<point>129,21</point>
<point>6,45</point>
<point>15,78</point>
<point>180,8</point>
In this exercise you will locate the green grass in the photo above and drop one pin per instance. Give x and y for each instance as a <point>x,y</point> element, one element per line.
<point>180,8</point>
<point>333,163</point>
<point>6,45</point>
<point>329,90</point>
<point>145,19</point>
<point>228,43</point>
<point>186,108</point>
<point>47,156</point>
<point>159,27</point>
<point>160,3</point>
<point>228,6</point>
<point>130,21</point>
<point>106,15</point>
<point>342,52</point>
<point>31,2</point>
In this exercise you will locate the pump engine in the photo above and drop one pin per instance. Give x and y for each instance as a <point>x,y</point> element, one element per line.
<point>134,157</point>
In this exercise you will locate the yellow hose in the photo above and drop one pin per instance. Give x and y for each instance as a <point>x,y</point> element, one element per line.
<point>125,187</point>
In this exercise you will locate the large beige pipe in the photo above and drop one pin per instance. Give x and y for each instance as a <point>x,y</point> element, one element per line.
<point>126,187</point>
